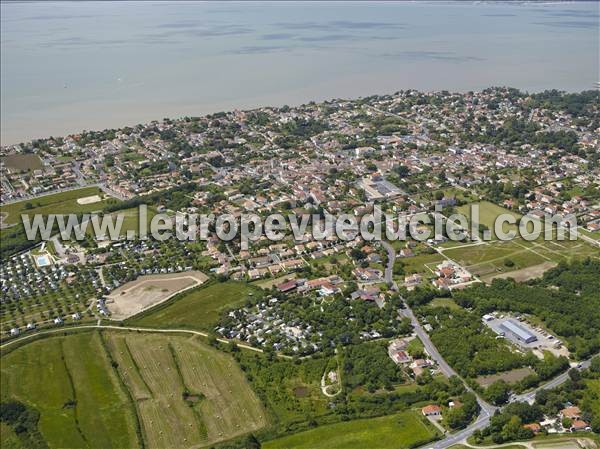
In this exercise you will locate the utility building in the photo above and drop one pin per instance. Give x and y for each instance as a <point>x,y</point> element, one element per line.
<point>519,332</point>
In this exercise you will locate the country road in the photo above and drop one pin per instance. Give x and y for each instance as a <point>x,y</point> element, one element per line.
<point>487,410</point>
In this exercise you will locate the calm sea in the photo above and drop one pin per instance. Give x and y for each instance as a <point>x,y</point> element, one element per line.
<point>68,66</point>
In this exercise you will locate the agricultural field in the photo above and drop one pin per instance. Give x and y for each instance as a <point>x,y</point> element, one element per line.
<point>198,308</point>
<point>80,399</point>
<point>114,389</point>
<point>186,393</point>
<point>399,431</point>
<point>150,290</point>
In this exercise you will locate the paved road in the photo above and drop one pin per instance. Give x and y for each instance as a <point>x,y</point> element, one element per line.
<point>487,410</point>
<point>557,381</point>
<point>389,269</point>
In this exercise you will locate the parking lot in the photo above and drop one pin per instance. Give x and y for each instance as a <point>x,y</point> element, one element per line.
<point>544,341</point>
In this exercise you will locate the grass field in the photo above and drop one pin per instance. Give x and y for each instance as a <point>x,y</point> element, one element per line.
<point>97,389</point>
<point>199,308</point>
<point>69,380</point>
<point>421,263</point>
<point>9,439</point>
<point>58,203</point>
<point>131,220</point>
<point>398,431</point>
<point>445,302</point>
<point>488,212</point>
<point>158,370</point>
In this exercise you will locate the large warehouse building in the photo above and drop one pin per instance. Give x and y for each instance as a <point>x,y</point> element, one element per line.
<point>519,332</point>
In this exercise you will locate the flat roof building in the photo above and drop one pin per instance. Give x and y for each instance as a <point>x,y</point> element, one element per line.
<point>519,332</point>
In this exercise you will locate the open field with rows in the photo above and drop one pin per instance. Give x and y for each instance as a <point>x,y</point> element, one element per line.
<point>199,308</point>
<point>158,370</point>
<point>99,388</point>
<point>399,431</point>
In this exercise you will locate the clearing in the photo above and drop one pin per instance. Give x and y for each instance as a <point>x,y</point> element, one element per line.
<point>518,258</point>
<point>510,377</point>
<point>150,290</point>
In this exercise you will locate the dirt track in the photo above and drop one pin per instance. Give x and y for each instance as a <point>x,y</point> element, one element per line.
<point>148,291</point>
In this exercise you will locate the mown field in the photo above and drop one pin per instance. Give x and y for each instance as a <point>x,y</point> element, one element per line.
<point>70,382</point>
<point>131,221</point>
<point>199,308</point>
<point>157,370</point>
<point>399,431</point>
<point>118,389</point>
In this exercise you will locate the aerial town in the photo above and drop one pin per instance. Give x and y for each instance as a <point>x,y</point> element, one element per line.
<point>453,330</point>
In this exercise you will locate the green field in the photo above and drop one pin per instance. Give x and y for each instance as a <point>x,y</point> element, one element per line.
<point>130,220</point>
<point>199,308</point>
<point>58,203</point>
<point>112,389</point>
<point>445,302</point>
<point>399,431</point>
<point>70,382</point>
<point>421,263</point>
<point>488,212</point>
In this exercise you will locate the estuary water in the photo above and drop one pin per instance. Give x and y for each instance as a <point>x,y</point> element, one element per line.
<point>68,66</point>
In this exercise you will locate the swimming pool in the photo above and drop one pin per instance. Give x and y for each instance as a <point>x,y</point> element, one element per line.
<point>42,261</point>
